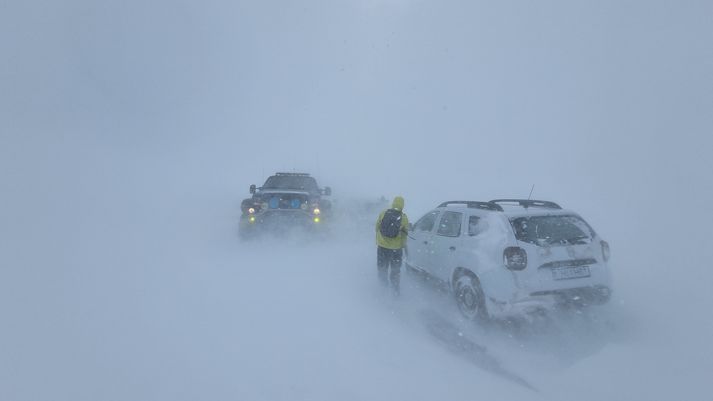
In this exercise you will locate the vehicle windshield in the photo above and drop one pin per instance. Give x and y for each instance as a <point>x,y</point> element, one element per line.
<point>291,182</point>
<point>552,230</point>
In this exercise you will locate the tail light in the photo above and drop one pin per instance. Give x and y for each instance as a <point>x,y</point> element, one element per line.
<point>515,258</point>
<point>606,253</point>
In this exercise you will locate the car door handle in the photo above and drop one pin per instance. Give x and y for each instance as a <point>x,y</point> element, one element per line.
<point>452,248</point>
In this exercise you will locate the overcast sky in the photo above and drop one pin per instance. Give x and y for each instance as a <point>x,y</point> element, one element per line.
<point>607,103</point>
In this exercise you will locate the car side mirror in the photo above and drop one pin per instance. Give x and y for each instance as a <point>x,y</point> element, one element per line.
<point>327,191</point>
<point>253,188</point>
<point>410,226</point>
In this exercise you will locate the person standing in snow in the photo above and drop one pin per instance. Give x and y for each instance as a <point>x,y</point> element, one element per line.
<point>391,230</point>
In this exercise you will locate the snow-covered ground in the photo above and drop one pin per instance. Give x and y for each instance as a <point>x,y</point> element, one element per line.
<point>130,131</point>
<point>167,304</point>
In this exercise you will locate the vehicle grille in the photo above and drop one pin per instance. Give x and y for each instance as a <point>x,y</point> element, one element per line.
<point>285,201</point>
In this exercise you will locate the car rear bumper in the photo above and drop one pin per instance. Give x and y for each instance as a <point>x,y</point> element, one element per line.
<point>592,295</point>
<point>542,301</point>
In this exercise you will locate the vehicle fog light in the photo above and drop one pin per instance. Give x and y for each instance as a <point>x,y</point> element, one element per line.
<point>252,219</point>
<point>316,219</point>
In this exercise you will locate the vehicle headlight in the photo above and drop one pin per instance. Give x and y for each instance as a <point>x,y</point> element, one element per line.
<point>316,211</point>
<point>251,210</point>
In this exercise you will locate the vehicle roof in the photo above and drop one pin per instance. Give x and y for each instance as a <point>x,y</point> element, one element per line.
<point>292,174</point>
<point>510,208</point>
<point>282,191</point>
<point>510,211</point>
<point>516,211</point>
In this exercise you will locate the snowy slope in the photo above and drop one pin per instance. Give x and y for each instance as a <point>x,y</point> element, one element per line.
<point>186,312</point>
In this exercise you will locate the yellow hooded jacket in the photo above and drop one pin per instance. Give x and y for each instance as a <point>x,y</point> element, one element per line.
<point>400,241</point>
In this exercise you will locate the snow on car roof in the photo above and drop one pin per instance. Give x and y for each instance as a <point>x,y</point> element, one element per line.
<point>517,211</point>
<point>507,209</point>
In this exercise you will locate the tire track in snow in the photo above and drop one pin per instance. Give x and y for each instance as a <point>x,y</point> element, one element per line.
<point>453,339</point>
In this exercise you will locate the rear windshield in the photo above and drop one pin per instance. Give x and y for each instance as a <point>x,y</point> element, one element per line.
<point>552,230</point>
<point>298,183</point>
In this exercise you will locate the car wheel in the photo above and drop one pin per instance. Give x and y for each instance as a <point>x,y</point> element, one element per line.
<point>470,298</point>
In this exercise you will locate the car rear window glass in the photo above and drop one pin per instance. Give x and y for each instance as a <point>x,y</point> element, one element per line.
<point>450,224</point>
<point>426,222</point>
<point>552,230</point>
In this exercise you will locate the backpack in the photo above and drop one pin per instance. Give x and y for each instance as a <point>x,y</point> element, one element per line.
<point>390,224</point>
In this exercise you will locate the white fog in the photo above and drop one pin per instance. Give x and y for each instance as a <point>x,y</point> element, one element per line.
<point>130,132</point>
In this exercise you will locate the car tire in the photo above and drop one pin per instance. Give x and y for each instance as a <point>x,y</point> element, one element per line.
<point>469,297</point>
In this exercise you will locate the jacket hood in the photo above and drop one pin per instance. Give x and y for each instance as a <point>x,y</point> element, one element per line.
<point>398,203</point>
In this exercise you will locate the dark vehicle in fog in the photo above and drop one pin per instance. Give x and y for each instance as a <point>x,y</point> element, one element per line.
<point>285,202</point>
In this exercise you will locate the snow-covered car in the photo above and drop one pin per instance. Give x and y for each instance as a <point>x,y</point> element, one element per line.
<point>511,256</point>
<point>284,202</point>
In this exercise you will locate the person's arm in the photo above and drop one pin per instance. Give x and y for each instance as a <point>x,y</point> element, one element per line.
<point>404,229</point>
<point>378,221</point>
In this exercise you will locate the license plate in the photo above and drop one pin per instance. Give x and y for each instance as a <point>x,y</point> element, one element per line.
<point>566,273</point>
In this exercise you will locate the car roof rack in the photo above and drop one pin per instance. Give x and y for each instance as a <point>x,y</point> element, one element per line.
<point>528,203</point>
<point>474,205</point>
<point>294,174</point>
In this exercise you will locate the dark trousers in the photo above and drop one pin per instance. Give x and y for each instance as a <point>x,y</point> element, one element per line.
<point>386,258</point>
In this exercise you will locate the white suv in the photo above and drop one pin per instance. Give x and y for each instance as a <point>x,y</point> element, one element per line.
<point>510,256</point>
